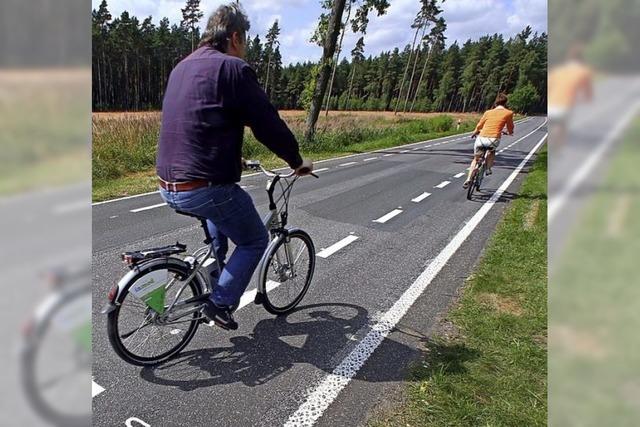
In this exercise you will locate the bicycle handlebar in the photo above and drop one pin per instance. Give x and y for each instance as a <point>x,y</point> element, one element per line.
<point>255,165</point>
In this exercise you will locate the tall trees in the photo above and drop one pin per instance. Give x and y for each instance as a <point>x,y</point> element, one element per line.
<point>132,59</point>
<point>191,15</point>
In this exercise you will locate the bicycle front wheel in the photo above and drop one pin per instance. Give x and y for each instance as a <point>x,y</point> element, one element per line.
<point>287,272</point>
<point>472,184</point>
<point>480,176</point>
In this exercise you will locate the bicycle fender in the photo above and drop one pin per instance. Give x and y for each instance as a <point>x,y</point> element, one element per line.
<point>132,275</point>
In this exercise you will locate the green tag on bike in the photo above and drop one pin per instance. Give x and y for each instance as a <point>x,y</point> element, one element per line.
<point>151,289</point>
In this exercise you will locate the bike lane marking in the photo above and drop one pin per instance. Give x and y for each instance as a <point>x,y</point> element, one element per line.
<point>421,197</point>
<point>96,389</point>
<point>327,390</point>
<point>388,216</point>
<point>327,252</point>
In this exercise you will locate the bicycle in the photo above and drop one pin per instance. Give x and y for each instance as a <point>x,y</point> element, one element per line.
<point>59,329</point>
<point>158,275</point>
<point>477,176</point>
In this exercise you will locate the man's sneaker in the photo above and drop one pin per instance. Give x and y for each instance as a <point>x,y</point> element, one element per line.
<point>466,184</point>
<point>221,316</point>
<point>489,172</point>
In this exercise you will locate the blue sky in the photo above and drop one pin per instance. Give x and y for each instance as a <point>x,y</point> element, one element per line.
<point>465,19</point>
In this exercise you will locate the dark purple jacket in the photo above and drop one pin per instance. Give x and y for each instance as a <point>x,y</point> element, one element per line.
<point>210,98</point>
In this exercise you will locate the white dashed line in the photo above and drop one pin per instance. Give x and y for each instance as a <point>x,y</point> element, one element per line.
<point>404,151</point>
<point>327,252</point>
<point>388,216</point>
<point>320,170</point>
<point>348,164</point>
<point>443,184</point>
<point>370,158</point>
<point>146,208</point>
<point>330,386</point>
<point>387,155</point>
<point>420,197</point>
<point>459,175</point>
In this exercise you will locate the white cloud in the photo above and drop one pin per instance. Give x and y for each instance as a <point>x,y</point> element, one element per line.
<point>298,18</point>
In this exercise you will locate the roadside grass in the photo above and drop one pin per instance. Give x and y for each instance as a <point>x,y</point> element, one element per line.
<point>491,370</point>
<point>44,129</point>
<point>594,300</point>
<point>124,147</point>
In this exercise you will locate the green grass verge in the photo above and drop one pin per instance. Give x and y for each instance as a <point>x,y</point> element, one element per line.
<point>124,150</point>
<point>492,370</point>
<point>64,169</point>
<point>594,301</point>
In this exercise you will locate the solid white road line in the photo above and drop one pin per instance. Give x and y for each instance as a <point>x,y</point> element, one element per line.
<point>327,252</point>
<point>96,389</point>
<point>388,216</point>
<point>459,175</point>
<point>558,201</point>
<point>443,184</point>
<point>348,164</point>
<point>327,390</point>
<point>420,197</point>
<point>146,208</point>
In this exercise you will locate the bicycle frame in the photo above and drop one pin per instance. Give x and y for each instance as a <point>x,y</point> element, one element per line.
<point>275,221</point>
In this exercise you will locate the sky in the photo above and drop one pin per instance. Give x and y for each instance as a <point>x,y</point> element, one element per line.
<point>466,19</point>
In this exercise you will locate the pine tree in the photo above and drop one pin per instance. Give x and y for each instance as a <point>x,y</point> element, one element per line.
<point>191,15</point>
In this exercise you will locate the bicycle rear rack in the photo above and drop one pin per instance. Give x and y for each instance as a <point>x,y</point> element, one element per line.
<point>134,257</point>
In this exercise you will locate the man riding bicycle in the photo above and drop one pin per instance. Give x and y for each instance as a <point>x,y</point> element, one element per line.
<point>211,95</point>
<point>489,129</point>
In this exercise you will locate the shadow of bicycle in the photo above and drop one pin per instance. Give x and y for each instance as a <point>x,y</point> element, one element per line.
<point>309,335</point>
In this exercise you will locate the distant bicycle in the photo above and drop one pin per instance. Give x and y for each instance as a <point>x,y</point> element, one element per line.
<point>477,176</point>
<point>156,308</point>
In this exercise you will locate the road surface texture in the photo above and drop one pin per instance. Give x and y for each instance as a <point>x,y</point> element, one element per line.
<point>397,238</point>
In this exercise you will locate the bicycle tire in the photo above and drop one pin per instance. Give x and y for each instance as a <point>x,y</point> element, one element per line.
<point>271,300</point>
<point>33,391</point>
<point>472,185</point>
<point>479,176</point>
<point>182,271</point>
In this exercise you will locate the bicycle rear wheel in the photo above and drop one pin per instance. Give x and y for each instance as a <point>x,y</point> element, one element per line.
<point>142,336</point>
<point>287,272</point>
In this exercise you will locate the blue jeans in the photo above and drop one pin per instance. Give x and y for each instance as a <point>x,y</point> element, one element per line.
<point>231,214</point>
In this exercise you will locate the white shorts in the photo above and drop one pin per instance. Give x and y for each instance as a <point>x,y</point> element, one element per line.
<point>484,143</point>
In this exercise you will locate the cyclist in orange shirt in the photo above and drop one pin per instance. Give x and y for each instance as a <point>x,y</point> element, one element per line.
<point>568,83</point>
<point>490,130</point>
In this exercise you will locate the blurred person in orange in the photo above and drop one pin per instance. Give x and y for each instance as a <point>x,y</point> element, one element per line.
<point>567,84</point>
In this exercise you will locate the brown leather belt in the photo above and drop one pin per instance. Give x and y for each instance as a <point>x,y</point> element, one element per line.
<point>183,186</point>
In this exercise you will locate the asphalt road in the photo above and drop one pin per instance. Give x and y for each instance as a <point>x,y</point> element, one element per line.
<point>273,370</point>
<point>42,231</point>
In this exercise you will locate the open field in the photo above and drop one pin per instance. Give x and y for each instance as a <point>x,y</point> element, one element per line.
<point>124,144</point>
<point>43,118</point>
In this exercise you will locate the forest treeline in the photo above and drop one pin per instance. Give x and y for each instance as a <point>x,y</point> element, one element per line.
<point>132,59</point>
